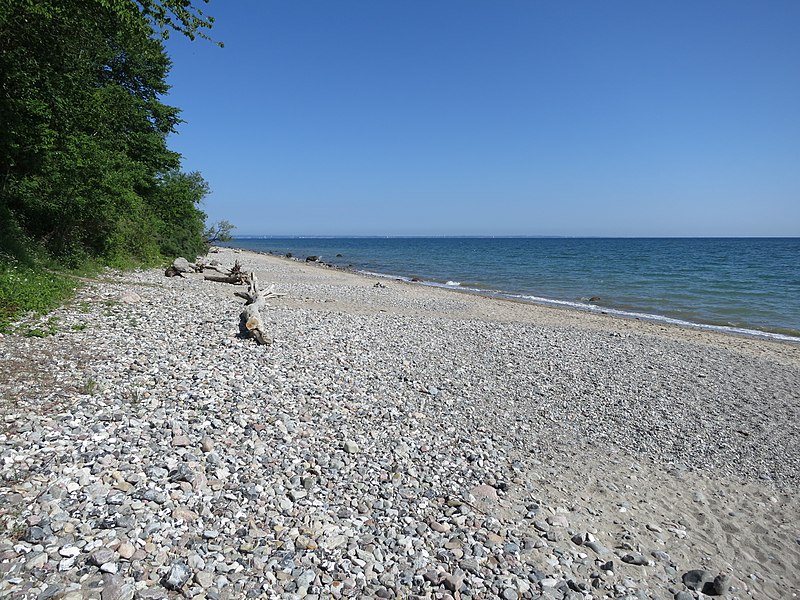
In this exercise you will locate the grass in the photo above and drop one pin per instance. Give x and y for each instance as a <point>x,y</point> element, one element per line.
<point>25,289</point>
<point>38,286</point>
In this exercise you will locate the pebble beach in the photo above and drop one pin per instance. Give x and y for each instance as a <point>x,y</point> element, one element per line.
<point>395,441</point>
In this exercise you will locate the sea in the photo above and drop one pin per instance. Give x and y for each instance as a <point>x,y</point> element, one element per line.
<point>746,286</point>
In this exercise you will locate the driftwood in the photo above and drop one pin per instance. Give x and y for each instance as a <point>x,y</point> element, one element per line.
<point>234,275</point>
<point>250,320</point>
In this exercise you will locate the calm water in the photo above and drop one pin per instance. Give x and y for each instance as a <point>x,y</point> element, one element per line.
<point>741,283</point>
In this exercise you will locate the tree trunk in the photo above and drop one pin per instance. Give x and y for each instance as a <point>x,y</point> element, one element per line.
<point>250,320</point>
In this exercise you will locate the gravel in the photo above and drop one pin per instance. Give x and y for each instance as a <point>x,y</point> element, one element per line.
<point>394,441</point>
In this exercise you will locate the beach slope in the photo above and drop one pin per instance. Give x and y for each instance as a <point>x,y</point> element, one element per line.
<point>396,440</point>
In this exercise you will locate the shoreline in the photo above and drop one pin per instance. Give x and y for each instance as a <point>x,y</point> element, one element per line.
<point>772,333</point>
<point>394,441</point>
<point>660,320</point>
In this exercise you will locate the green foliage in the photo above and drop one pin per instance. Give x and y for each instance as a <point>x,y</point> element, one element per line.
<point>219,232</point>
<point>85,172</point>
<point>166,15</point>
<point>174,202</point>
<point>29,289</point>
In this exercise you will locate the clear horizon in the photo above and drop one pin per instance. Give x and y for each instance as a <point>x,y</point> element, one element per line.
<point>400,236</point>
<point>515,119</point>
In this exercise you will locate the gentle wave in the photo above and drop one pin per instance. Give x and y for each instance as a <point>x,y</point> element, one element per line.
<point>585,306</point>
<point>656,318</point>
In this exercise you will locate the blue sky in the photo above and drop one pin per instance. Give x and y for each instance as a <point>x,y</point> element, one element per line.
<point>495,118</point>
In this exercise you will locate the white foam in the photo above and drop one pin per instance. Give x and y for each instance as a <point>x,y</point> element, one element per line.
<point>596,309</point>
<point>657,318</point>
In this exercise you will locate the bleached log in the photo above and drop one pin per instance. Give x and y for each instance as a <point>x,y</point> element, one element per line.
<point>234,275</point>
<point>250,320</point>
<point>216,268</point>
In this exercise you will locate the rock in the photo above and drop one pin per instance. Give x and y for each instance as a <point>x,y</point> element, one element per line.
<point>101,556</point>
<point>510,594</point>
<point>484,492</point>
<point>130,297</point>
<point>181,441</point>
<point>116,589</point>
<point>177,576</point>
<point>181,265</point>
<point>109,567</point>
<point>696,579</point>
<point>598,548</point>
<point>34,535</point>
<point>207,444</point>
<point>69,551</point>
<point>204,579</point>
<point>36,561</point>
<point>350,447</point>
<point>634,558</point>
<point>439,527</point>
<point>558,521</point>
<point>52,591</point>
<point>312,258</point>
<point>721,584</point>
<point>126,550</point>
<point>452,582</point>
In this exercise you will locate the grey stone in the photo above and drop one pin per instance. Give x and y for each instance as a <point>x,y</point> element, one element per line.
<point>350,447</point>
<point>114,588</point>
<point>696,579</point>
<point>204,579</point>
<point>101,556</point>
<point>634,558</point>
<point>177,576</point>
<point>721,584</point>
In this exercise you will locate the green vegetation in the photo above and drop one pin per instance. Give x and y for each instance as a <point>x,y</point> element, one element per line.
<point>86,177</point>
<point>24,288</point>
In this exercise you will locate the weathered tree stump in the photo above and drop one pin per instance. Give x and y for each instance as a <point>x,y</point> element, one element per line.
<point>250,321</point>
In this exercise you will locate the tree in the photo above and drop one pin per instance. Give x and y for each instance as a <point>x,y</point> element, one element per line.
<point>219,232</point>
<point>166,15</point>
<point>84,165</point>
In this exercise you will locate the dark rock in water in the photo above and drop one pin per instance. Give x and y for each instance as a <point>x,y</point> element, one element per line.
<point>339,255</point>
<point>415,280</point>
<point>177,577</point>
<point>312,258</point>
<point>696,579</point>
<point>288,255</point>
<point>594,299</point>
